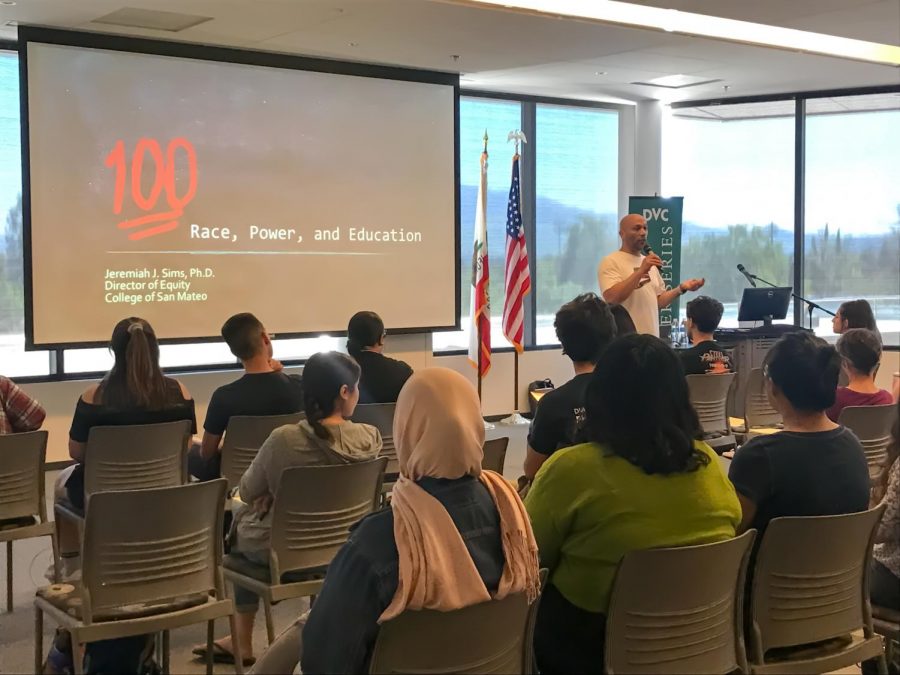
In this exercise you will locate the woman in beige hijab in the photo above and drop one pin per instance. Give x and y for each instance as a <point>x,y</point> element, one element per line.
<point>454,536</point>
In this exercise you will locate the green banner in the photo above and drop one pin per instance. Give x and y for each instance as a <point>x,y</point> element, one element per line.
<point>663,216</point>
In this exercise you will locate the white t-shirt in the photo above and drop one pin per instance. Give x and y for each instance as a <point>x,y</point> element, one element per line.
<point>641,304</point>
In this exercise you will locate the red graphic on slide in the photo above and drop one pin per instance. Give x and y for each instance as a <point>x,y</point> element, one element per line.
<point>164,179</point>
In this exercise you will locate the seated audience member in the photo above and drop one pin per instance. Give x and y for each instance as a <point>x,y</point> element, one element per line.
<point>382,377</point>
<point>134,391</point>
<point>884,575</point>
<point>812,468</point>
<point>860,352</point>
<point>624,324</point>
<point>584,327</point>
<point>18,411</point>
<point>264,389</point>
<point>854,314</point>
<point>706,356</point>
<point>454,535</point>
<point>325,437</point>
<point>643,481</point>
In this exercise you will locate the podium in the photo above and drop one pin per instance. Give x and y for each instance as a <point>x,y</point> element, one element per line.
<point>748,347</point>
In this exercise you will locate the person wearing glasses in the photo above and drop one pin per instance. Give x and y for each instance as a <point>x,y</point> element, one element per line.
<point>814,467</point>
<point>382,377</point>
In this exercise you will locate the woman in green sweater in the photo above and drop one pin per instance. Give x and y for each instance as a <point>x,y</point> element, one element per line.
<point>643,481</point>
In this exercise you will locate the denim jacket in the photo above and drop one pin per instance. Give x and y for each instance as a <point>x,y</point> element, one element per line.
<point>362,579</point>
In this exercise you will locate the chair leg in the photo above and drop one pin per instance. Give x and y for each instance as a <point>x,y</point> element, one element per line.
<point>165,652</point>
<point>270,624</point>
<point>9,577</point>
<point>882,664</point>
<point>54,545</point>
<point>210,630</point>
<point>77,654</point>
<point>236,647</point>
<point>38,640</point>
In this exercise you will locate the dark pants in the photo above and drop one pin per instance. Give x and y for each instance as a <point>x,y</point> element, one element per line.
<point>567,639</point>
<point>204,469</point>
<point>884,587</point>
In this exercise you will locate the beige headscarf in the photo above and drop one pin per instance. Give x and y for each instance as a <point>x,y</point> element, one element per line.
<point>439,432</point>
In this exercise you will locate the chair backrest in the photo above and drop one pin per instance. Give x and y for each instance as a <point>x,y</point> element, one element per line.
<point>491,637</point>
<point>679,610</point>
<point>872,425</point>
<point>22,475</point>
<point>709,396</point>
<point>314,508</point>
<point>810,582</point>
<point>154,545</point>
<point>136,457</point>
<point>244,436</point>
<point>381,416</point>
<point>758,412</point>
<point>495,454</point>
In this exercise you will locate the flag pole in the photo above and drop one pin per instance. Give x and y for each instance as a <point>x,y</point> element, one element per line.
<point>478,320</point>
<point>516,418</point>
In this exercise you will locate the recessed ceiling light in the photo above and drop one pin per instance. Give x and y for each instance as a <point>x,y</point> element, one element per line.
<point>12,24</point>
<point>8,3</point>
<point>598,73</point>
<point>690,23</point>
<point>353,44</point>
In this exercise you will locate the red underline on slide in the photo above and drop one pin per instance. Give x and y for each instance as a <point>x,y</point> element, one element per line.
<point>150,218</point>
<point>249,252</point>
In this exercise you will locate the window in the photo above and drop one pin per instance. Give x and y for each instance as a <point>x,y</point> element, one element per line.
<point>14,360</point>
<point>499,118</point>
<point>852,234</point>
<point>576,221</point>
<point>734,166</point>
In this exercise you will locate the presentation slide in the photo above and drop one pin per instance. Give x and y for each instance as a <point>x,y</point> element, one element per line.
<point>184,190</point>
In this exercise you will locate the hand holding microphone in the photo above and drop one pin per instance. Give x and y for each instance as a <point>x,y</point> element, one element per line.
<point>650,260</point>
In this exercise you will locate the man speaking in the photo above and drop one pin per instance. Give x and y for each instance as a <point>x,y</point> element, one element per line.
<point>631,279</point>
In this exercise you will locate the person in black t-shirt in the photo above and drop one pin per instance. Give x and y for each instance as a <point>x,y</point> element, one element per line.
<point>584,326</point>
<point>264,389</point>
<point>706,356</point>
<point>814,467</point>
<point>382,377</point>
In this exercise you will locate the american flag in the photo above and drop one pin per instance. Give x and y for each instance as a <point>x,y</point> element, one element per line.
<point>518,277</point>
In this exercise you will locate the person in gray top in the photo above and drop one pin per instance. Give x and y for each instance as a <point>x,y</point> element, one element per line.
<point>325,437</point>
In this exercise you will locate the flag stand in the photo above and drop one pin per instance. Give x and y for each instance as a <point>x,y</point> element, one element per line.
<point>487,425</point>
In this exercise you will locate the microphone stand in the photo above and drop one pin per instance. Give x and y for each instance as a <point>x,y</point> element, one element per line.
<point>810,305</point>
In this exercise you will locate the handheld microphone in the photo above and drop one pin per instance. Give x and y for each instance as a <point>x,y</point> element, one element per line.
<point>646,250</point>
<point>743,270</point>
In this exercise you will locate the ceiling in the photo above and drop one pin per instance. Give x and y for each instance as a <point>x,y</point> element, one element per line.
<point>498,50</point>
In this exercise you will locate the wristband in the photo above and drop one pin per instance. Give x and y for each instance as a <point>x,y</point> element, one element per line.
<point>681,290</point>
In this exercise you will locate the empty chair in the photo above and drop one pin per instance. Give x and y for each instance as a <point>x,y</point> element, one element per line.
<point>381,416</point>
<point>22,496</point>
<point>810,586</point>
<point>143,575</point>
<point>669,614</point>
<point>314,509</point>
<point>495,454</point>
<point>872,426</point>
<point>709,397</point>
<point>759,415</point>
<point>244,436</point>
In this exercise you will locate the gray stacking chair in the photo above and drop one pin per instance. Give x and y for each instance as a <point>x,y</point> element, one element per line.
<point>759,416</point>
<point>23,509</point>
<point>312,514</point>
<point>809,604</point>
<point>495,454</point>
<point>872,425</point>
<point>143,575</point>
<point>679,610</point>
<point>243,438</point>
<point>709,397</point>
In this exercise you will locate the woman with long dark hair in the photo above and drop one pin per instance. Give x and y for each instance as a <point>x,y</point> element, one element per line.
<point>854,314</point>
<point>643,480</point>
<point>325,437</point>
<point>134,391</point>
<point>382,377</point>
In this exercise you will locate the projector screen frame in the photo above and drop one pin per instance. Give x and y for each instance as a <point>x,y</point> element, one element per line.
<point>205,52</point>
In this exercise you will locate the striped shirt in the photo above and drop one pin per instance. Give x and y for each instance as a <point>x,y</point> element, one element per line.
<point>18,411</point>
